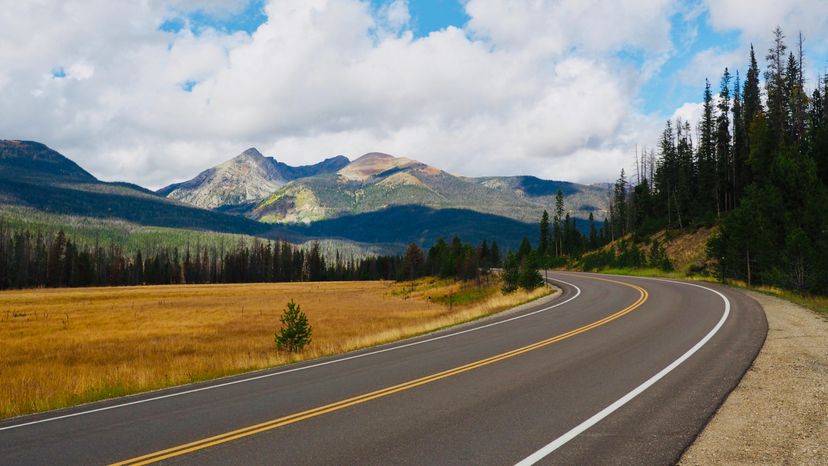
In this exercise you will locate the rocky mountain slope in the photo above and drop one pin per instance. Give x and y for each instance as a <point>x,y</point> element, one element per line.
<point>247,178</point>
<point>377,181</point>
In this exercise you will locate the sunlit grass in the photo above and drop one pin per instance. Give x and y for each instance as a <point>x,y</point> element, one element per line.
<point>61,347</point>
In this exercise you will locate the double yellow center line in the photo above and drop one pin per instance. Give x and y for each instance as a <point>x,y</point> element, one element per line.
<point>311,413</point>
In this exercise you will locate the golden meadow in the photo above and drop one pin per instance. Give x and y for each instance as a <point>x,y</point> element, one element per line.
<point>60,347</point>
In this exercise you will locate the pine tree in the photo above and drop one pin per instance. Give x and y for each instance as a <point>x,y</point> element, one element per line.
<point>483,254</point>
<point>666,178</point>
<point>413,261</point>
<point>724,201</point>
<point>795,114</point>
<point>752,93</point>
<point>494,255</point>
<point>558,220</point>
<point>525,249</point>
<point>740,152</point>
<point>776,90</point>
<point>619,205</point>
<point>511,273</point>
<point>529,277</point>
<point>593,233</point>
<point>818,130</point>
<point>543,242</point>
<point>706,155</point>
<point>295,331</point>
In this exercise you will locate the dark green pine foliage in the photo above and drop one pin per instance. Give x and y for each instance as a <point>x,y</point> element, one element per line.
<point>529,277</point>
<point>295,331</point>
<point>544,236</point>
<point>724,164</point>
<point>752,108</point>
<point>775,87</point>
<point>687,190</point>
<point>557,235</point>
<point>37,259</point>
<point>739,150</point>
<point>759,170</point>
<point>619,206</point>
<point>666,177</point>
<point>593,233</point>
<point>817,142</point>
<point>706,158</point>
<point>525,249</point>
<point>511,273</point>
<point>752,93</point>
<point>494,255</point>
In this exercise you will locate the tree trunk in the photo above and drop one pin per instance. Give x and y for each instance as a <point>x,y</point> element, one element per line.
<point>747,262</point>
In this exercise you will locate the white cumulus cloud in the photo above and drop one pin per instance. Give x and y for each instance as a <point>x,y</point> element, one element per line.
<point>525,87</point>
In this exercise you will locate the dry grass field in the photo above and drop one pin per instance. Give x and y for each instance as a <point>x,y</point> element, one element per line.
<point>60,347</point>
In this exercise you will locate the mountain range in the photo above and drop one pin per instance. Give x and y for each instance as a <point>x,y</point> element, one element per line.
<point>377,198</point>
<point>249,184</point>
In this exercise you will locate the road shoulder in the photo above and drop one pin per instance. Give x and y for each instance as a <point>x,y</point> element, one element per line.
<point>778,414</point>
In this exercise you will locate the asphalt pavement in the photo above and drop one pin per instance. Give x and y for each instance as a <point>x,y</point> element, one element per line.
<point>615,370</point>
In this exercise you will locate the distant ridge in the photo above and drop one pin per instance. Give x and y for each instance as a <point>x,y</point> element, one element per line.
<point>35,176</point>
<point>27,159</point>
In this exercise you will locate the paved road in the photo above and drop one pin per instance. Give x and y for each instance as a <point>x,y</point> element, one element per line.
<point>616,370</point>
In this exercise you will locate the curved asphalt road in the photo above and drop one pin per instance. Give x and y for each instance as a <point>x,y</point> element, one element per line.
<point>616,370</point>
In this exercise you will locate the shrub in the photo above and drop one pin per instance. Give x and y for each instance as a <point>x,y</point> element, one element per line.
<point>295,332</point>
<point>511,273</point>
<point>530,277</point>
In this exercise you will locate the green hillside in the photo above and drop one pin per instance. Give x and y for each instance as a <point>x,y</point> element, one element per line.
<point>34,176</point>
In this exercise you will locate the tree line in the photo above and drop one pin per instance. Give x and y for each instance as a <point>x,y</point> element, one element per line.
<point>37,259</point>
<point>560,240</point>
<point>756,164</point>
<point>41,259</point>
<point>454,259</point>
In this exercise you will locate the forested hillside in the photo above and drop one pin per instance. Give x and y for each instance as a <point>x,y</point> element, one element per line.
<point>37,177</point>
<point>757,165</point>
<point>53,259</point>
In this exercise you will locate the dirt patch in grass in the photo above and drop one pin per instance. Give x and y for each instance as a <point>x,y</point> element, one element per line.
<point>62,347</point>
<point>687,251</point>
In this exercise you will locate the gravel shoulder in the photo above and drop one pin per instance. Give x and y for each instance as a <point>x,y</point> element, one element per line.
<point>778,414</point>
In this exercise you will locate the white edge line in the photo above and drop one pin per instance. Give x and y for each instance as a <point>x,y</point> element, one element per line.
<point>311,366</point>
<point>580,428</point>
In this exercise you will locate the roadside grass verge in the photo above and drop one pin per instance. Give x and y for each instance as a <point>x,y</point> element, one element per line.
<point>62,347</point>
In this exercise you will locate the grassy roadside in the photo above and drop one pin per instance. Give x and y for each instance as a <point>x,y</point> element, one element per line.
<point>61,347</point>
<point>818,304</point>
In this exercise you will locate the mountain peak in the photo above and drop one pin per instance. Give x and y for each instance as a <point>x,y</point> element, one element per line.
<point>251,153</point>
<point>246,178</point>
<point>372,156</point>
<point>376,163</point>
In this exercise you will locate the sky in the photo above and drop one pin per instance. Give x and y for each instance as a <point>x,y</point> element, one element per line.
<point>153,92</point>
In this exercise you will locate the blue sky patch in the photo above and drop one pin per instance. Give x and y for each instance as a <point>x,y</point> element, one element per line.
<point>434,15</point>
<point>187,86</point>
<point>665,91</point>
<point>248,19</point>
<point>428,16</point>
